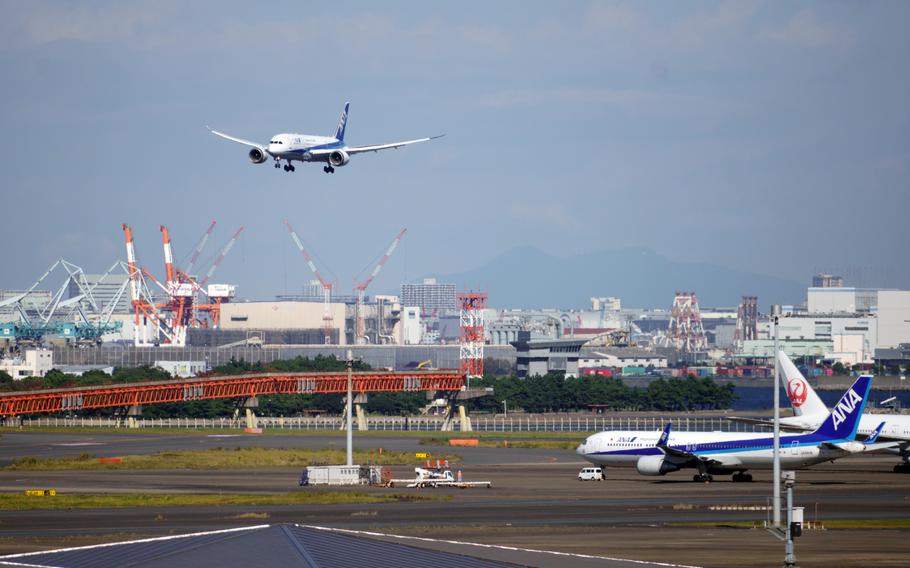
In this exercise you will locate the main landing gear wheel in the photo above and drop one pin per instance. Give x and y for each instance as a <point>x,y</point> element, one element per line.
<point>902,468</point>
<point>328,169</point>
<point>289,168</point>
<point>702,478</point>
<point>742,477</point>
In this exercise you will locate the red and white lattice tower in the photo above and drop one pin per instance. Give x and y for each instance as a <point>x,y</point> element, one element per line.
<point>471,338</point>
<point>686,332</point>
<point>746,321</point>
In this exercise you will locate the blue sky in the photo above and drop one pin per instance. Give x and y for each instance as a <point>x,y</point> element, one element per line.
<point>764,136</point>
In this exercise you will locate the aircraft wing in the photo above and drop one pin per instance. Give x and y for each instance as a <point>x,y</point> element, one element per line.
<point>361,149</point>
<point>238,140</point>
<point>769,423</point>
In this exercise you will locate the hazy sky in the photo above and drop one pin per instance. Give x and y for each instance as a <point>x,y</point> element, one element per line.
<point>767,136</point>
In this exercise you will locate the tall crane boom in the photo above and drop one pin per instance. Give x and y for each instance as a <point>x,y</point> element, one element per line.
<point>221,255</point>
<point>328,322</point>
<point>309,259</point>
<point>198,250</point>
<point>360,288</point>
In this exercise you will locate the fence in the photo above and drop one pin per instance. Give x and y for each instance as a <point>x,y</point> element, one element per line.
<point>531,423</point>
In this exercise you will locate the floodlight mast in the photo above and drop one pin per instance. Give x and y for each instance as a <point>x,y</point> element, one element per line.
<point>775,317</point>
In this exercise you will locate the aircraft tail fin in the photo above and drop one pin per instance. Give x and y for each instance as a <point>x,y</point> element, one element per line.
<point>875,434</point>
<point>843,421</point>
<point>802,396</point>
<point>664,436</point>
<point>342,122</point>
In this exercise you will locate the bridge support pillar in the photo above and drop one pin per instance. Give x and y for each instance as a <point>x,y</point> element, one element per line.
<point>362,425</point>
<point>131,416</point>
<point>464,419</point>
<point>248,405</point>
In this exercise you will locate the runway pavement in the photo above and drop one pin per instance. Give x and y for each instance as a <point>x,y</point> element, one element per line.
<point>535,502</point>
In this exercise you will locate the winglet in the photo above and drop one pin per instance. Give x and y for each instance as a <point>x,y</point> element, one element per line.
<point>875,434</point>
<point>842,422</point>
<point>664,436</point>
<point>342,123</point>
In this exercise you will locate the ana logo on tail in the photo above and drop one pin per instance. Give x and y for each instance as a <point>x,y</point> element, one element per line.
<point>797,391</point>
<point>846,406</point>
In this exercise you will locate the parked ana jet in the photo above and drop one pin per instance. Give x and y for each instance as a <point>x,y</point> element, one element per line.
<point>725,453</point>
<point>309,148</point>
<point>810,411</point>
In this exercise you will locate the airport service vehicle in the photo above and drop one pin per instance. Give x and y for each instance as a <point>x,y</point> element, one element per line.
<point>726,453</point>
<point>591,474</point>
<point>809,412</point>
<point>332,150</point>
<point>439,475</point>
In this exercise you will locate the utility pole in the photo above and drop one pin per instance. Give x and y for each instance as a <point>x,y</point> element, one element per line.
<point>775,319</point>
<point>794,522</point>
<point>350,363</point>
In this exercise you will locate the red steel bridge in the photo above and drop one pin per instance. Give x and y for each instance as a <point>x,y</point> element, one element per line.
<point>230,386</point>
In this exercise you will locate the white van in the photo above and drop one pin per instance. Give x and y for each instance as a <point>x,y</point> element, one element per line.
<point>591,473</point>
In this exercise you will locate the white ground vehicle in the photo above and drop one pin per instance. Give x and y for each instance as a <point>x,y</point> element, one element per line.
<point>591,474</point>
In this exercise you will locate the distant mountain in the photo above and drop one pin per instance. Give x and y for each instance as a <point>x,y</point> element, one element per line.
<point>526,277</point>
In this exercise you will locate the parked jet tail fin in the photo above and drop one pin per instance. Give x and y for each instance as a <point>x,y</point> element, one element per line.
<point>802,396</point>
<point>342,122</point>
<point>875,434</point>
<point>664,436</point>
<point>841,424</point>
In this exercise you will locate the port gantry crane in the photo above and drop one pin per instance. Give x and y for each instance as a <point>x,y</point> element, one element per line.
<point>328,322</point>
<point>360,288</point>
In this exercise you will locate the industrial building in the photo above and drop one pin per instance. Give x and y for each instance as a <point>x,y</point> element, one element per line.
<point>541,356</point>
<point>32,363</point>
<point>620,357</point>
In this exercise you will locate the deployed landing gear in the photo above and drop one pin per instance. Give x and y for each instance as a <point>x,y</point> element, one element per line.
<point>328,169</point>
<point>277,164</point>
<point>289,168</point>
<point>702,478</point>
<point>902,468</point>
<point>742,477</point>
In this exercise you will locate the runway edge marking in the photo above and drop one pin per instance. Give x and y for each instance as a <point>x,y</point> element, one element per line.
<point>501,547</point>
<point>3,559</point>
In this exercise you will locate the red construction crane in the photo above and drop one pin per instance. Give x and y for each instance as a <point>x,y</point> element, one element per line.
<point>328,322</point>
<point>360,288</point>
<point>140,299</point>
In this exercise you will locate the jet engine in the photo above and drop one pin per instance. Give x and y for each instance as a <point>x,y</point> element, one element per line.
<point>258,155</point>
<point>339,158</point>
<point>655,465</point>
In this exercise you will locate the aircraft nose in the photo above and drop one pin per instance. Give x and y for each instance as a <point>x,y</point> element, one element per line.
<point>581,448</point>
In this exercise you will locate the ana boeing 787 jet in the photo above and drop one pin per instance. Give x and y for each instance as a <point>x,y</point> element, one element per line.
<point>332,150</point>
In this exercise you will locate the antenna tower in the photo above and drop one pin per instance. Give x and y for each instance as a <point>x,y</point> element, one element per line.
<point>471,337</point>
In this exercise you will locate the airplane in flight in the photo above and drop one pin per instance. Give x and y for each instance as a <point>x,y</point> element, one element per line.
<point>809,411</point>
<point>332,150</point>
<point>726,453</point>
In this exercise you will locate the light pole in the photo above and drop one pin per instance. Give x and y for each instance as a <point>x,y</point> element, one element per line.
<point>350,364</point>
<point>505,409</point>
<point>775,319</point>
<point>794,525</point>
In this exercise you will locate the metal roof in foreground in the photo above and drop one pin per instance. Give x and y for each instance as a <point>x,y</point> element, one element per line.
<point>292,545</point>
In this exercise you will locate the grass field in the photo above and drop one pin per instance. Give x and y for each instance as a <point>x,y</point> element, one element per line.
<point>20,502</point>
<point>218,458</point>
